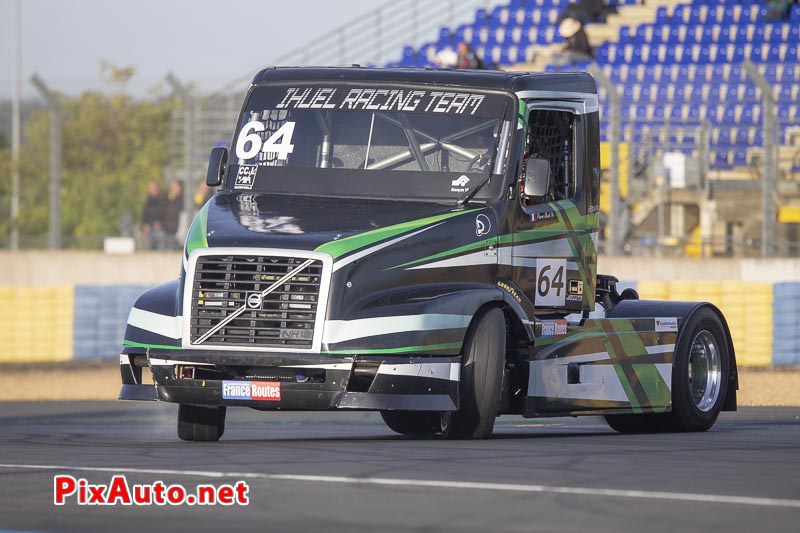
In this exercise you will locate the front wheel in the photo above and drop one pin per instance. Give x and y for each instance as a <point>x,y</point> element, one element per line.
<point>200,422</point>
<point>482,363</point>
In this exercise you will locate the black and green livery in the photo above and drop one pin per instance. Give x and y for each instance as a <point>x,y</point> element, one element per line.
<point>422,243</point>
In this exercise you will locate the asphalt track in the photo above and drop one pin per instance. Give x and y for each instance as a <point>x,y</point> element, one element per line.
<point>347,472</point>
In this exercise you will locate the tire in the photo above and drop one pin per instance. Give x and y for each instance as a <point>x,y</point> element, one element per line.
<point>200,423</point>
<point>413,423</point>
<point>700,371</point>
<point>482,363</point>
<point>656,423</point>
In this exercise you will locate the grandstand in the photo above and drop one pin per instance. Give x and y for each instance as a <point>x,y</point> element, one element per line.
<point>678,66</point>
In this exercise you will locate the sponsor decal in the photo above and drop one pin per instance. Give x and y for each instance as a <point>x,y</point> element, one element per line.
<point>510,290</point>
<point>254,300</point>
<point>575,298</point>
<point>575,286</point>
<point>459,184</point>
<point>554,329</point>
<point>547,215</point>
<point>251,390</point>
<point>551,288</point>
<point>379,99</point>
<point>666,324</point>
<point>482,225</point>
<point>245,177</point>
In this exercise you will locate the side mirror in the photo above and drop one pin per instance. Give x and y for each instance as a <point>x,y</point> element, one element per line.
<point>537,177</point>
<point>217,166</point>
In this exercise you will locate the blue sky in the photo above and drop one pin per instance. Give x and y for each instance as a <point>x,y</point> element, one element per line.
<point>208,42</point>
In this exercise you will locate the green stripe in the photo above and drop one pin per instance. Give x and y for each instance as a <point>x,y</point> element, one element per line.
<point>402,349</point>
<point>141,345</point>
<point>196,238</point>
<point>654,385</point>
<point>349,244</point>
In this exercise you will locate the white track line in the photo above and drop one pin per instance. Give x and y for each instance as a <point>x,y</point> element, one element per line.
<point>469,485</point>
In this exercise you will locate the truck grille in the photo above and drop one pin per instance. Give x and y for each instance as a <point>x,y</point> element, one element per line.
<point>223,284</point>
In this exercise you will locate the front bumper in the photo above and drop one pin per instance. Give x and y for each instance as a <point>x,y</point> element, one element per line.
<point>363,382</point>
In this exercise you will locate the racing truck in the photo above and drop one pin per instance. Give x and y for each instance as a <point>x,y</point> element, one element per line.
<point>421,243</point>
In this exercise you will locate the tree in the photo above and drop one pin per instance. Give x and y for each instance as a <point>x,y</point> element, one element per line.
<point>113,145</point>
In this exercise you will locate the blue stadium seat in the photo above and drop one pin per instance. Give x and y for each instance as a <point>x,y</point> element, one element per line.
<point>708,35</point>
<point>794,31</point>
<point>771,73</point>
<point>791,53</point>
<point>729,116</point>
<point>729,16</point>
<point>739,157</point>
<point>661,16</point>
<point>625,36</point>
<point>737,74</point>
<point>788,74</point>
<point>481,18</point>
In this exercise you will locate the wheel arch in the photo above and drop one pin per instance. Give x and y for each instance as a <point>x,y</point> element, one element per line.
<point>684,311</point>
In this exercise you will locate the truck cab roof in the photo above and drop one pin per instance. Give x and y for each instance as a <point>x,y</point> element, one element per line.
<point>567,82</point>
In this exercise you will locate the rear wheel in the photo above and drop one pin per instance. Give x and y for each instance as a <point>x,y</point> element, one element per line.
<point>700,374</point>
<point>482,362</point>
<point>414,423</point>
<point>700,370</point>
<point>200,422</point>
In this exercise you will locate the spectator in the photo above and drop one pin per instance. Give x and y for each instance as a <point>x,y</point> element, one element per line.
<point>778,9</point>
<point>153,217</point>
<point>467,58</point>
<point>587,11</point>
<point>174,207</point>
<point>576,44</point>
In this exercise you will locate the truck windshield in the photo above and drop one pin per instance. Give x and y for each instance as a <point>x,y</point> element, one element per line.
<point>369,141</point>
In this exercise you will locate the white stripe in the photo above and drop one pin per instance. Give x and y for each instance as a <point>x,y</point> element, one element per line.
<point>467,485</point>
<point>331,366</point>
<point>507,255</point>
<point>423,370</point>
<point>548,379</point>
<point>170,362</point>
<point>345,330</point>
<point>665,369</point>
<point>662,348</point>
<point>552,248</point>
<point>164,325</point>
<point>476,258</point>
<point>349,259</point>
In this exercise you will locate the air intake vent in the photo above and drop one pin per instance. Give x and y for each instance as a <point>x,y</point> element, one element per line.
<point>255,301</point>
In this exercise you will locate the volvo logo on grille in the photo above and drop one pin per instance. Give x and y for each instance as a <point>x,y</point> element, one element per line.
<point>254,300</point>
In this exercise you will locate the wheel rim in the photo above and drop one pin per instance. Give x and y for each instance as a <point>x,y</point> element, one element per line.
<point>705,369</point>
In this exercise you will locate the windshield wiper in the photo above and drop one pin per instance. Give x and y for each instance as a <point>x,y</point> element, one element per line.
<point>467,196</point>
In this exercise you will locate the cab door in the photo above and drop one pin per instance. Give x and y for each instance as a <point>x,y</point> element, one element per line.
<point>549,257</point>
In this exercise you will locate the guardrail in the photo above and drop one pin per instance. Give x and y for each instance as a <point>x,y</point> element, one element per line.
<point>75,322</point>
